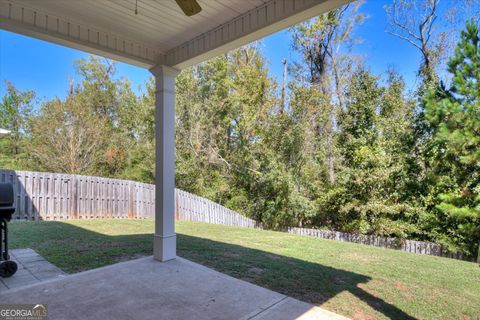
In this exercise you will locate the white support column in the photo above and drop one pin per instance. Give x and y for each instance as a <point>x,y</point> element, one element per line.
<point>164,245</point>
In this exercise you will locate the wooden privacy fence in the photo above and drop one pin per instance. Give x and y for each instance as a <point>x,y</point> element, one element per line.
<point>421,247</point>
<point>52,196</point>
<point>190,207</point>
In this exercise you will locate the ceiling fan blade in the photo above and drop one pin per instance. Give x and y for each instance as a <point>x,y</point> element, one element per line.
<point>189,7</point>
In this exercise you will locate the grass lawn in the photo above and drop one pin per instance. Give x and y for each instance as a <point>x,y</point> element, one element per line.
<point>357,281</point>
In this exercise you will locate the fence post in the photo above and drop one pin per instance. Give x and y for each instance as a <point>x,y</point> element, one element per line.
<point>74,197</point>
<point>131,200</point>
<point>478,254</point>
<point>177,206</point>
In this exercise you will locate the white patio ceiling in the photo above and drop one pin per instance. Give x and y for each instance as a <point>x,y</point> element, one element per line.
<point>160,34</point>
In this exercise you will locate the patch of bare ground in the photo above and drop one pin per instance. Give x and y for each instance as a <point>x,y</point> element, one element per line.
<point>255,271</point>
<point>405,290</point>
<point>355,256</point>
<point>272,256</point>
<point>90,246</point>
<point>369,288</point>
<point>360,315</point>
<point>231,255</point>
<point>314,297</point>
<point>130,257</point>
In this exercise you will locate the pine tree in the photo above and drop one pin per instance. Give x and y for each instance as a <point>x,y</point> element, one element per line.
<point>375,143</point>
<point>455,116</point>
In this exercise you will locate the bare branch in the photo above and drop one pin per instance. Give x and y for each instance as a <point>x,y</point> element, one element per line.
<point>406,39</point>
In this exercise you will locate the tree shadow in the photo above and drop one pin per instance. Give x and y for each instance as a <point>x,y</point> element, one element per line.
<point>66,245</point>
<point>310,282</point>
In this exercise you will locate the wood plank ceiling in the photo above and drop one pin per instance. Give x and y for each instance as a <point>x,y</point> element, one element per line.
<point>159,23</point>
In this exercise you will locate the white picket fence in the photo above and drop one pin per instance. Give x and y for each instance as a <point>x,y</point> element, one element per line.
<point>52,196</point>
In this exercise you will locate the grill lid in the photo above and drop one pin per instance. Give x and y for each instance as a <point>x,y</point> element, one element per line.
<point>7,208</point>
<point>6,195</point>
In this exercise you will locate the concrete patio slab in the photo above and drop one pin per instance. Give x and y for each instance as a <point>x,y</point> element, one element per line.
<point>290,308</point>
<point>32,269</point>
<point>147,289</point>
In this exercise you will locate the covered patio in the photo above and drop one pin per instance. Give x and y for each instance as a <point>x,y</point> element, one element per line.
<point>157,35</point>
<point>146,289</point>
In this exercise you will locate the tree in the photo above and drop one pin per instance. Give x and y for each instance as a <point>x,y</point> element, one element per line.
<point>319,41</point>
<point>111,100</point>
<point>67,138</point>
<point>92,129</point>
<point>137,125</point>
<point>455,116</point>
<point>15,113</point>
<point>223,106</point>
<point>413,21</point>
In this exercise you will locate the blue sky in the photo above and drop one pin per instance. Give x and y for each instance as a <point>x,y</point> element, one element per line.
<point>46,68</point>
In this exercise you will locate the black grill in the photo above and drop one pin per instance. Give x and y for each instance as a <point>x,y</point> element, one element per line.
<point>7,209</point>
<point>7,203</point>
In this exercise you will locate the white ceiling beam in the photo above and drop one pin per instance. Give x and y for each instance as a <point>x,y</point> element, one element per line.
<point>32,22</point>
<point>273,16</point>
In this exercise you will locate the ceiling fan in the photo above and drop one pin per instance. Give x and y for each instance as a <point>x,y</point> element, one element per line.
<point>189,7</point>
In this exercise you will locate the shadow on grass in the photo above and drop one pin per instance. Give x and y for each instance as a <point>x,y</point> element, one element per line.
<point>306,281</point>
<point>74,249</point>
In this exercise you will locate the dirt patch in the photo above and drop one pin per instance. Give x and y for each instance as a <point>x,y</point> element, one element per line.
<point>339,281</point>
<point>130,257</point>
<point>255,271</point>
<point>404,290</point>
<point>355,256</point>
<point>231,255</point>
<point>314,297</point>
<point>248,279</point>
<point>360,315</point>
<point>89,246</point>
<point>272,256</point>
<point>370,288</point>
<point>441,297</point>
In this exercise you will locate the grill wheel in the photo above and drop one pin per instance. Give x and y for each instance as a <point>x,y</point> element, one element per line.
<point>8,269</point>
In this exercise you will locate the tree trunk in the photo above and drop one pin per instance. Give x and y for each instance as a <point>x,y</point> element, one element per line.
<point>330,156</point>
<point>478,254</point>
<point>16,132</point>
<point>284,84</point>
<point>329,138</point>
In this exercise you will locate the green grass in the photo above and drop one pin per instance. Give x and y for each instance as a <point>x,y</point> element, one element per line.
<point>358,281</point>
